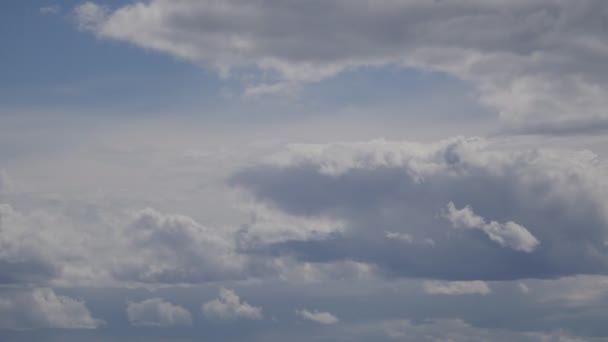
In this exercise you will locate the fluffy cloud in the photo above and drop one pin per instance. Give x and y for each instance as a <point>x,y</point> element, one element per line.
<point>539,64</point>
<point>157,312</point>
<point>456,287</point>
<point>229,306</point>
<point>318,316</point>
<point>23,259</point>
<point>176,249</point>
<point>509,234</point>
<point>559,196</point>
<point>74,244</point>
<point>42,308</point>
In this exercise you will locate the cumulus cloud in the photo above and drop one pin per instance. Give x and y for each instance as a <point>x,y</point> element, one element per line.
<point>79,245</point>
<point>157,312</point>
<point>42,308</point>
<point>176,249</point>
<point>229,306</point>
<point>456,287</point>
<point>510,234</point>
<point>318,316</point>
<point>538,64</point>
<point>23,258</point>
<point>557,198</point>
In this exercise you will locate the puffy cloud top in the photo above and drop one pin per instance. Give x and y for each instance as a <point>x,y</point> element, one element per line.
<point>553,203</point>
<point>229,306</point>
<point>157,312</point>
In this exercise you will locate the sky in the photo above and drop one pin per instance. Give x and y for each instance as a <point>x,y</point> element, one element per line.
<point>319,170</point>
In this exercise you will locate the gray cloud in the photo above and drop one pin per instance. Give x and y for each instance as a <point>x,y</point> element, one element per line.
<point>318,316</point>
<point>456,287</point>
<point>42,308</point>
<point>539,64</point>
<point>229,306</point>
<point>23,260</point>
<point>379,187</point>
<point>177,249</point>
<point>157,312</point>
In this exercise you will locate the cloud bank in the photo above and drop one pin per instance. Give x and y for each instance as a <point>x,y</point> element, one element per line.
<point>557,198</point>
<point>538,64</point>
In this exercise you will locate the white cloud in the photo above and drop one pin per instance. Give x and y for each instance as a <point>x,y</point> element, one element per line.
<point>538,64</point>
<point>510,234</point>
<point>157,312</point>
<point>318,316</point>
<point>229,306</point>
<point>457,287</point>
<point>90,16</point>
<point>176,249</point>
<point>42,308</point>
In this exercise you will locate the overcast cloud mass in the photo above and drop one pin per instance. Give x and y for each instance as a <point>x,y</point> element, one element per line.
<point>288,170</point>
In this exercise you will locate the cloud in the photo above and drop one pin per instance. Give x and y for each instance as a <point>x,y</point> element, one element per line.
<point>318,316</point>
<point>456,287</point>
<point>538,64</point>
<point>42,308</point>
<point>48,10</point>
<point>23,257</point>
<point>90,16</point>
<point>157,312</point>
<point>75,244</point>
<point>458,330</point>
<point>229,306</point>
<point>509,234</point>
<point>557,198</point>
<point>176,249</point>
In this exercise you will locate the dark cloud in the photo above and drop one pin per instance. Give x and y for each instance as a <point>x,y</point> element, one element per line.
<point>384,187</point>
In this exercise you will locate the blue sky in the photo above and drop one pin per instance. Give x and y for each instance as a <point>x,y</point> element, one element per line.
<point>344,170</point>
